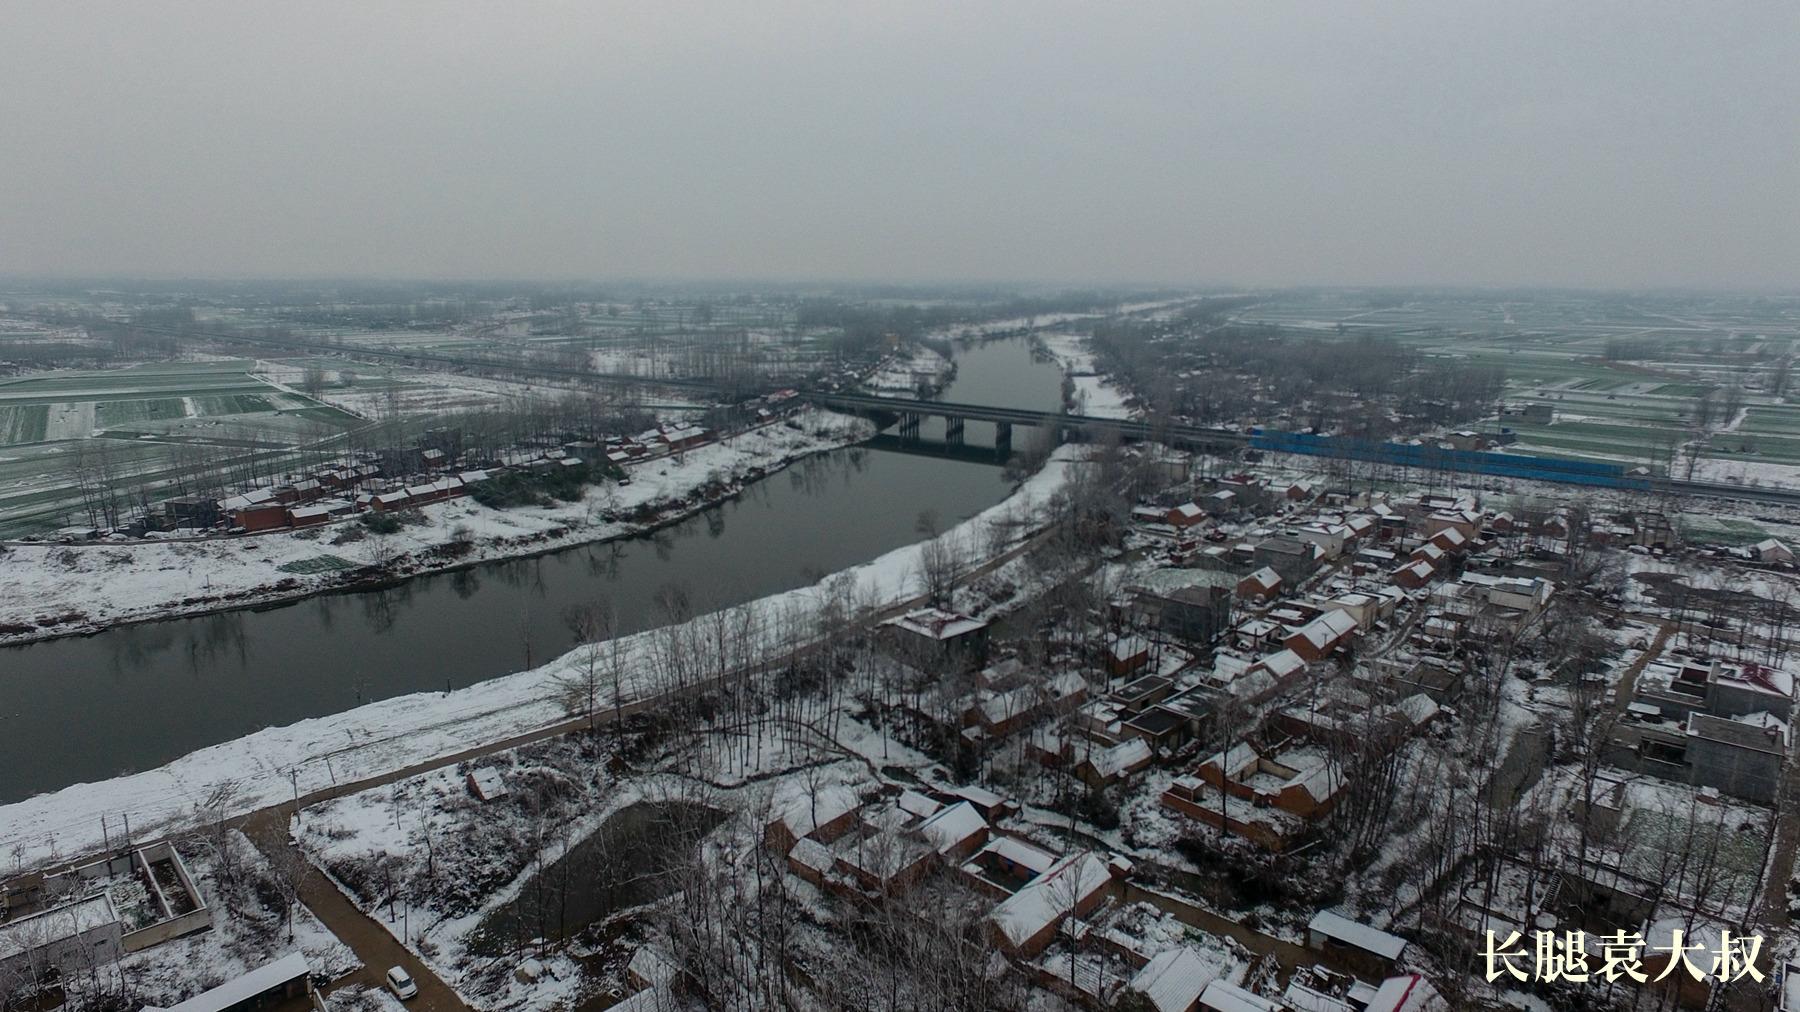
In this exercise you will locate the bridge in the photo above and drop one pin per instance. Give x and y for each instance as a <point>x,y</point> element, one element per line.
<point>909,413</point>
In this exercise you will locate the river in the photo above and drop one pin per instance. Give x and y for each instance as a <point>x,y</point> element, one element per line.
<point>138,696</point>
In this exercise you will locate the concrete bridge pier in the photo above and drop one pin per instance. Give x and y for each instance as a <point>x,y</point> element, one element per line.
<point>909,425</point>
<point>1003,436</point>
<point>953,430</point>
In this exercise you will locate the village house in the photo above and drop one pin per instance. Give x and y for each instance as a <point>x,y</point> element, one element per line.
<point>1025,923</point>
<point>1292,559</point>
<point>1174,979</point>
<point>1224,996</point>
<point>823,813</point>
<point>1187,514</point>
<point>1452,540</point>
<point>1127,654</point>
<point>1260,586</point>
<point>87,915</point>
<point>1414,575</point>
<point>1255,634</point>
<point>1328,539</point>
<point>1004,865</point>
<point>1363,947</point>
<point>1108,765</point>
<point>934,638</point>
<point>1002,714</point>
<point>1193,614</point>
<point>1365,609</point>
<point>1283,668</point>
<point>1708,723</point>
<point>1772,553</point>
<point>955,832</point>
<point>1322,636</point>
<point>1269,798</point>
<point>1172,722</point>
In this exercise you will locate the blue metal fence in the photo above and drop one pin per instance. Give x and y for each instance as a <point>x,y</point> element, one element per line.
<point>1507,465</point>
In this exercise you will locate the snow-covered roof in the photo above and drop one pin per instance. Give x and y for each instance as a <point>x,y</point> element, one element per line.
<point>812,854</point>
<point>1420,569</point>
<point>1232,761</point>
<point>1282,663</point>
<point>1327,629</point>
<point>1220,996</point>
<point>1354,933</point>
<point>952,826</point>
<point>1023,854</point>
<point>936,623</point>
<point>57,923</point>
<point>240,989</point>
<point>1173,979</point>
<point>913,803</point>
<point>650,965</point>
<point>489,785</point>
<point>803,811</point>
<point>1266,578</point>
<point>1126,647</point>
<point>1188,509</point>
<point>1114,761</point>
<point>1407,993</point>
<point>1757,677</point>
<point>980,797</point>
<point>1049,897</point>
<point>1301,998</point>
<point>1417,708</point>
<point>1321,780</point>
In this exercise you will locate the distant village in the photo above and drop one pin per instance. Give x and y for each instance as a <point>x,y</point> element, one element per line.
<point>433,471</point>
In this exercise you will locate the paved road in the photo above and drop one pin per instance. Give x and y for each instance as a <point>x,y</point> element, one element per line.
<point>371,942</point>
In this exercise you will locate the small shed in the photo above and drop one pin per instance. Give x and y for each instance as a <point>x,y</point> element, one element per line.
<point>486,784</point>
<point>1361,945</point>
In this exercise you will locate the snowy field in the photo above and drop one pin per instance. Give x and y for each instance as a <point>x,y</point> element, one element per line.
<point>396,733</point>
<point>94,586</point>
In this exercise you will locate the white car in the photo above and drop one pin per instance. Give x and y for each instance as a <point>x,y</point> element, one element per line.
<point>401,983</point>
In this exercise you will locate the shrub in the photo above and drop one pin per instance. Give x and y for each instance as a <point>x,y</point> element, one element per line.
<point>381,523</point>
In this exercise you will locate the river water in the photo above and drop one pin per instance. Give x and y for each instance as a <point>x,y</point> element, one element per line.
<point>139,696</point>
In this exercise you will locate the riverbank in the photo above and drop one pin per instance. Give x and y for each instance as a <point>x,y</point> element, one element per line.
<point>330,753</point>
<point>57,590</point>
<point>1095,394</point>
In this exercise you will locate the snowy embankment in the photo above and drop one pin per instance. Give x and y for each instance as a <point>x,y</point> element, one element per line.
<point>1095,395</point>
<point>270,766</point>
<point>59,589</point>
<point>903,373</point>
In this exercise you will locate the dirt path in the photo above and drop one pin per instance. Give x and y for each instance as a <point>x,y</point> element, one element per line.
<point>1628,681</point>
<point>378,949</point>
<point>1780,869</point>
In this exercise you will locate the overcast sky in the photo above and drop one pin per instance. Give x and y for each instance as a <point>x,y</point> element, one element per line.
<point>1567,142</point>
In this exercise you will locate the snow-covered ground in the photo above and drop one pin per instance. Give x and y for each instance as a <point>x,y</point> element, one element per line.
<point>246,932</point>
<point>270,765</point>
<point>1095,395</point>
<point>1742,472</point>
<point>903,372</point>
<point>94,586</point>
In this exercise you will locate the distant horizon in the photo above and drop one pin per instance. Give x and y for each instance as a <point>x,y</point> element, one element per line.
<point>999,286</point>
<point>1534,145</point>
